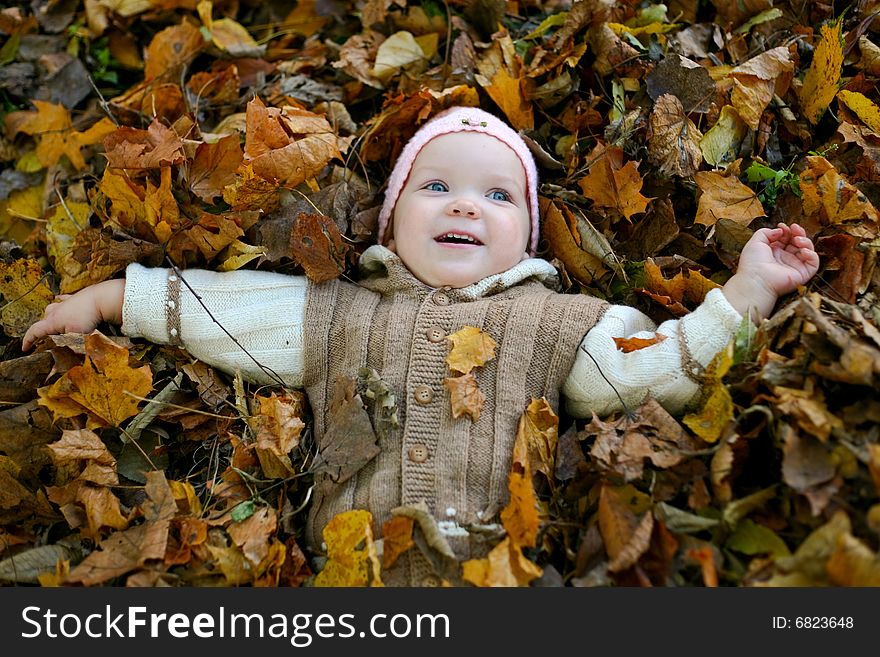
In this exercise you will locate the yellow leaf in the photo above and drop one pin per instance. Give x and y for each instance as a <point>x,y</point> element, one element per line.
<point>821,81</point>
<point>396,539</point>
<point>612,184</point>
<point>864,108</point>
<point>19,212</point>
<point>717,411</point>
<point>505,566</point>
<point>465,396</point>
<point>501,75</point>
<point>396,52</point>
<point>520,516</point>
<point>162,212</point>
<point>536,438</point>
<point>470,348</point>
<point>347,564</point>
<point>63,226</point>
<point>720,145</point>
<point>829,195</point>
<point>25,295</point>
<point>99,387</point>
<point>725,197</point>
<point>238,254</point>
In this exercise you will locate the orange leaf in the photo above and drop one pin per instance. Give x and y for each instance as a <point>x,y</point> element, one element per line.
<point>503,78</point>
<point>626,537</point>
<point>626,345</point>
<point>162,212</point>
<point>520,516</point>
<point>465,396</point>
<point>725,197</point>
<point>613,185</point>
<point>254,534</point>
<point>131,148</point>
<point>122,552</point>
<point>102,509</point>
<point>830,196</point>
<point>347,563</point>
<point>171,50</point>
<point>396,539</point>
<point>278,427</point>
<point>559,228</point>
<point>705,556</point>
<point>251,192</point>
<point>470,348</point>
<point>99,386</point>
<point>214,166</point>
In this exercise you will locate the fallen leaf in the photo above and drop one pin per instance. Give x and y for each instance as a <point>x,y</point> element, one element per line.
<point>725,197</point>
<point>720,145</point>
<point>556,229</point>
<point>465,396</point>
<point>317,245</point>
<point>229,35</point>
<point>131,148</point>
<point>756,80</point>
<point>537,435</point>
<point>213,167</point>
<point>505,566</point>
<point>717,410</point>
<point>863,107</point>
<point>685,79</point>
<point>823,76</point>
<point>349,564</point>
<point>26,293</point>
<point>396,539</point>
<point>626,537</point>
<point>520,516</point>
<point>395,53</point>
<point>278,427</point>
<point>99,386</point>
<point>469,348</point>
<point>501,74</point>
<point>612,184</point>
<point>829,196</point>
<point>171,50</point>
<point>122,552</point>
<point>674,140</point>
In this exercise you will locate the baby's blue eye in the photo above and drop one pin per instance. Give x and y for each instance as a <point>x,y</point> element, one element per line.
<point>436,186</point>
<point>499,195</point>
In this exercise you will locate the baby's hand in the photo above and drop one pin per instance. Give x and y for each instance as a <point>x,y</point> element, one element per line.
<point>782,258</point>
<point>80,312</point>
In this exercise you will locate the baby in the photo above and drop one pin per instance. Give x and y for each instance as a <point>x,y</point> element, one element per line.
<point>457,233</point>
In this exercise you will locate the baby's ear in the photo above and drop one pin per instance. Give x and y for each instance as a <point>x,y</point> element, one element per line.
<point>391,246</point>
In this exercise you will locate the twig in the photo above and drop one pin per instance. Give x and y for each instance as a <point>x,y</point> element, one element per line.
<point>132,432</point>
<point>626,410</point>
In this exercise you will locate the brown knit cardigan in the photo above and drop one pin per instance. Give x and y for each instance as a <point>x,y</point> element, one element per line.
<point>396,325</point>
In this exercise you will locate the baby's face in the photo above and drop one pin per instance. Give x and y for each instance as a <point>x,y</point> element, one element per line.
<point>462,215</point>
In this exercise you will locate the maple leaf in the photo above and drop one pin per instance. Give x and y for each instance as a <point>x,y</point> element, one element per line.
<point>26,294</point>
<point>823,76</point>
<point>612,184</point>
<point>131,148</point>
<point>99,387</point>
<point>756,80</point>
<point>279,426</point>
<point>674,139</point>
<point>465,396</point>
<point>351,552</point>
<point>52,127</point>
<point>724,196</point>
<point>213,166</point>
<point>470,348</point>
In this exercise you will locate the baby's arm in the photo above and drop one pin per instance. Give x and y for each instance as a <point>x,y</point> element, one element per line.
<point>80,312</point>
<point>661,369</point>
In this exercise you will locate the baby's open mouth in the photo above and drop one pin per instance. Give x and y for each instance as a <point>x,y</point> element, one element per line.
<point>457,238</point>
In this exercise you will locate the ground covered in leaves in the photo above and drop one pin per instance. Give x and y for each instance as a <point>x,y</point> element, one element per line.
<point>250,134</point>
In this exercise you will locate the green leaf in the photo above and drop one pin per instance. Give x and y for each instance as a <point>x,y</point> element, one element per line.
<point>243,511</point>
<point>751,538</point>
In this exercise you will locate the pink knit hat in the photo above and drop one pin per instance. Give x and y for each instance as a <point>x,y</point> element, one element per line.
<point>461,119</point>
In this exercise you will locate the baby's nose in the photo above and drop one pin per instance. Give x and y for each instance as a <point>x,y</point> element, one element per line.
<point>464,208</point>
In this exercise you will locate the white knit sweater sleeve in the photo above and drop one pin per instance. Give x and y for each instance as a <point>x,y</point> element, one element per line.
<point>263,310</point>
<point>656,369</point>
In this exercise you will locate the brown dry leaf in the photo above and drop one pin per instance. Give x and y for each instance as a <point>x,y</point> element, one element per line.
<point>126,199</point>
<point>808,565</point>
<point>626,345</point>
<point>99,386</point>
<point>305,20</point>
<point>213,167</point>
<point>130,148</point>
<point>26,293</point>
<point>396,53</point>
<point>685,79</point>
<point>50,124</point>
<point>557,229</point>
<point>808,409</point>
<point>102,510</point>
<point>502,75</point>
<point>396,539</point>
<point>823,77</point>
<point>171,50</point>
<point>229,35</point>
<point>469,348</point>
<point>853,563</point>
<point>611,184</point>
<point>351,553</point>
<point>217,86</point>
<point>829,196</point>
<point>806,463</point>
<point>520,516</point>
<point>251,192</point>
<point>317,245</point>
<point>756,80</point>
<point>505,566</point>
<point>725,197</point>
<point>254,534</point>
<point>625,536</point>
<point>465,396</point>
<point>122,552</point>
<point>349,439</point>
<point>278,427</point>
<point>674,141</point>
<point>537,436</point>
<point>357,55</point>
<point>287,146</point>
<point>80,445</point>
<point>161,504</point>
